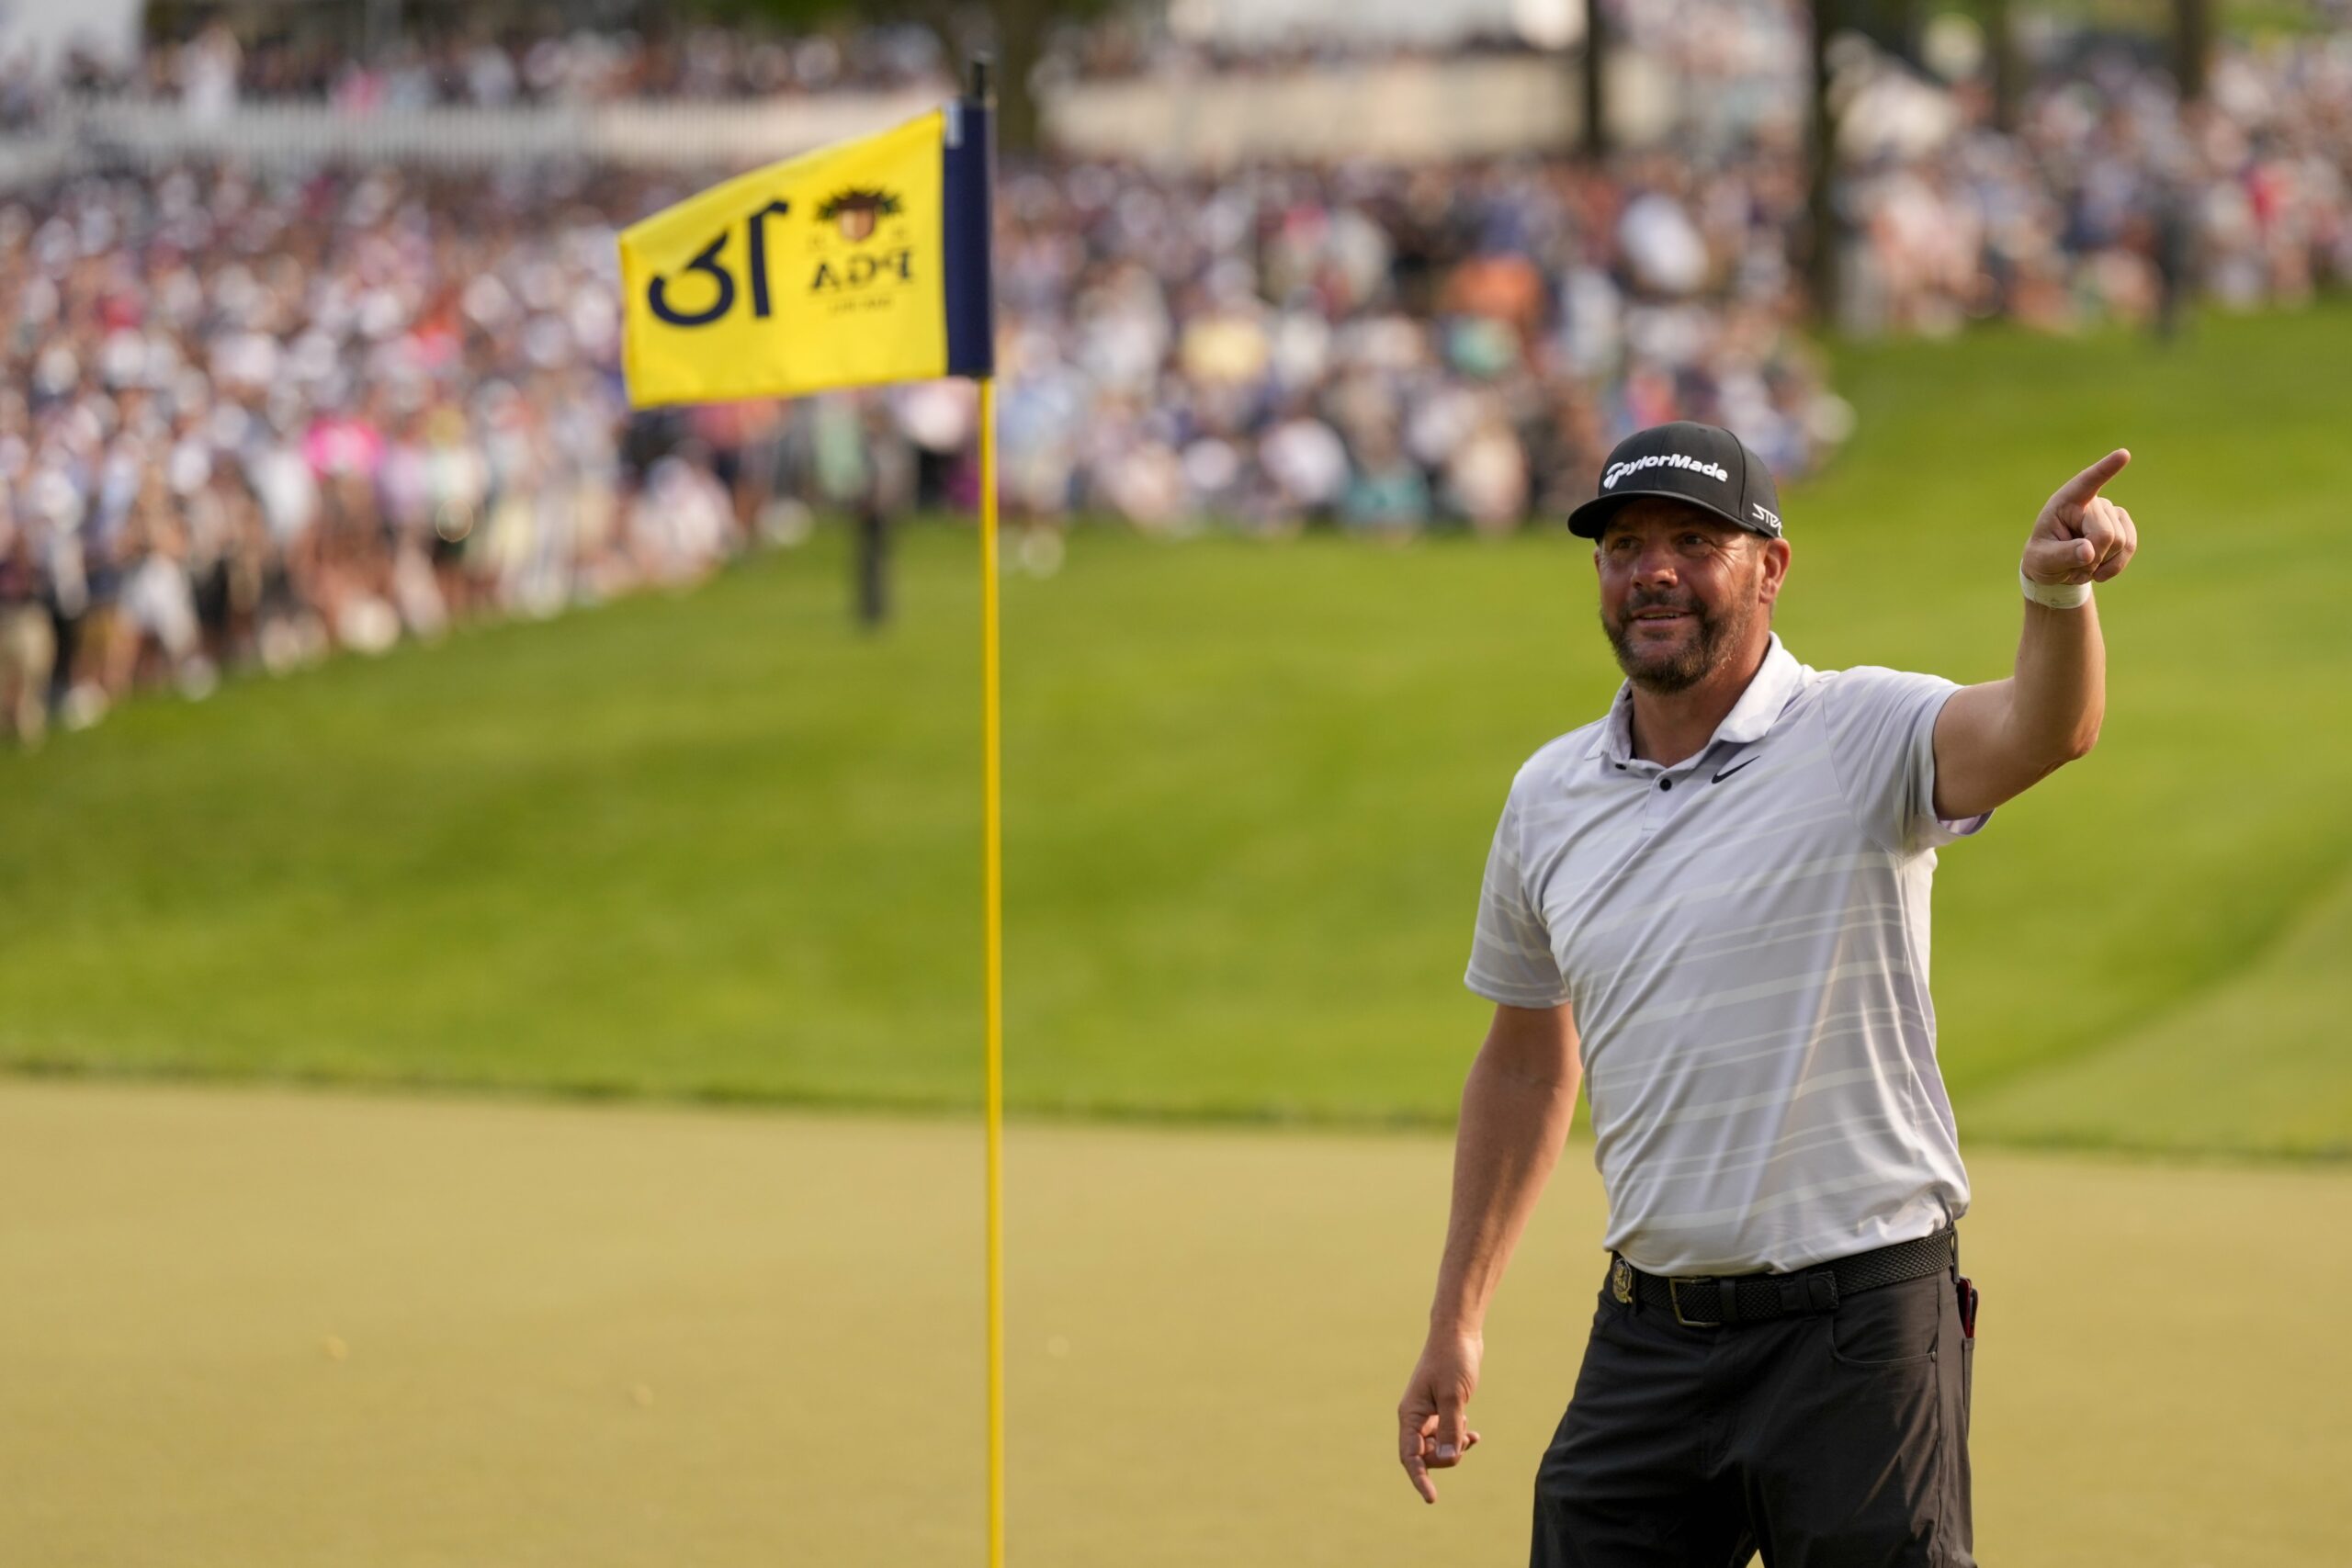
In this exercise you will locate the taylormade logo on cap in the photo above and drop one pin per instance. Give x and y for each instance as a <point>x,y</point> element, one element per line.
<point>1663,460</point>
<point>1654,461</point>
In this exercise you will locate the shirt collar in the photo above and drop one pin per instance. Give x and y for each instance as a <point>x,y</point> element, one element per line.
<point>1768,691</point>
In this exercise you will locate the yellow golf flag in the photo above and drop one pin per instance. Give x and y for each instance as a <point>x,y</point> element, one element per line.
<point>862,262</point>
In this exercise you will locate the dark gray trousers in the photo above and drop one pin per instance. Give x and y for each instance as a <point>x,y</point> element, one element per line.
<point>1830,1441</point>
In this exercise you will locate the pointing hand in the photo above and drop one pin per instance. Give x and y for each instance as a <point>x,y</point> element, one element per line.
<point>2082,537</point>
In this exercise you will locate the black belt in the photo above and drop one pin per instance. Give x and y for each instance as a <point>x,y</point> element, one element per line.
<point>1713,1301</point>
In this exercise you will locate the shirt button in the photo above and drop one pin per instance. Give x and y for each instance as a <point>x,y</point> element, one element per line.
<point>1665,783</point>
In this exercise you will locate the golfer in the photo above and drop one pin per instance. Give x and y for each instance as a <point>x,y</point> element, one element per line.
<point>1711,907</point>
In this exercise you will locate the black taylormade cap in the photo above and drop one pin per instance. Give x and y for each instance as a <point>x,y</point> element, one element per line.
<point>1702,464</point>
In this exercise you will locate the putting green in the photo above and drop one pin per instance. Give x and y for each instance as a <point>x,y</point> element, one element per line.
<point>252,1328</point>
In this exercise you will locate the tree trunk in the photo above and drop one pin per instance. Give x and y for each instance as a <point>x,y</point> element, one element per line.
<point>1020,41</point>
<point>2192,46</point>
<point>2002,50</point>
<point>1596,97</point>
<point>1901,21</point>
<point>1821,151</point>
<point>1011,35</point>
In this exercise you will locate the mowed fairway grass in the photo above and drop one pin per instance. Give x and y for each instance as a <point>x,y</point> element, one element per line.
<point>721,845</point>
<point>246,1328</point>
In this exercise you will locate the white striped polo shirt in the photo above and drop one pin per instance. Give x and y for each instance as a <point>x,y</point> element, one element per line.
<point>1744,939</point>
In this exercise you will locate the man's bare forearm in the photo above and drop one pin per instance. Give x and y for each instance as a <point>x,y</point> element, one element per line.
<point>1996,740</point>
<point>1516,1108</point>
<point>2058,695</point>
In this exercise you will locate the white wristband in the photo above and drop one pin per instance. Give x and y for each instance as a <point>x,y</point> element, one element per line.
<point>2057,596</point>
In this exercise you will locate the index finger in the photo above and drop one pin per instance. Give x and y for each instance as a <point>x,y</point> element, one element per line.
<point>2085,485</point>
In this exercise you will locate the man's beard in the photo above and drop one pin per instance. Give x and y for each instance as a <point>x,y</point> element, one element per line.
<point>1678,669</point>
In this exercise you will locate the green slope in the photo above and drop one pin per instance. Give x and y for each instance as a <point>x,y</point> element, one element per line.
<point>722,845</point>
<point>2260,1063</point>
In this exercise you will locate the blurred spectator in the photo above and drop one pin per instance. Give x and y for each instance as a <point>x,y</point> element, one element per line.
<point>28,642</point>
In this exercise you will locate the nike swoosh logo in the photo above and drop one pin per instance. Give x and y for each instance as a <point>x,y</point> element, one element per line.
<point>1728,771</point>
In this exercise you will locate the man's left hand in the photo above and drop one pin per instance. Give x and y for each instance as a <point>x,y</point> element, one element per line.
<point>2082,537</point>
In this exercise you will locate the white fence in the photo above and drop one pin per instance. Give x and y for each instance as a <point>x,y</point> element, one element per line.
<point>1399,111</point>
<point>643,132</point>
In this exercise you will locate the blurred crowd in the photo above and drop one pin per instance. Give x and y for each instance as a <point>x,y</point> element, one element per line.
<point>2111,201</point>
<point>249,418</point>
<point>1385,346</point>
<point>248,421</point>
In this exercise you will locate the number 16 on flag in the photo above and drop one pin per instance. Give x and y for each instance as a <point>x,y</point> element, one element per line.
<point>863,262</point>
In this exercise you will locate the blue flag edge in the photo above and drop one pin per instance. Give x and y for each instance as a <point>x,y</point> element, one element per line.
<point>966,216</point>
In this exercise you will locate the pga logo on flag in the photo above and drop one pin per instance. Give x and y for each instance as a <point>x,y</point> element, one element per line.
<point>861,263</point>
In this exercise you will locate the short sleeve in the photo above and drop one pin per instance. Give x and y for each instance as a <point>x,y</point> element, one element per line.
<point>1883,741</point>
<point>1510,954</point>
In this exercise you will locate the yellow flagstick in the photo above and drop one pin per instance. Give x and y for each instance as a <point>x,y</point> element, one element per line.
<point>699,326</point>
<point>992,890</point>
<point>992,895</point>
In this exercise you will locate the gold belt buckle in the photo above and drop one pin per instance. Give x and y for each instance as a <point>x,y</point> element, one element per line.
<point>1673,1295</point>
